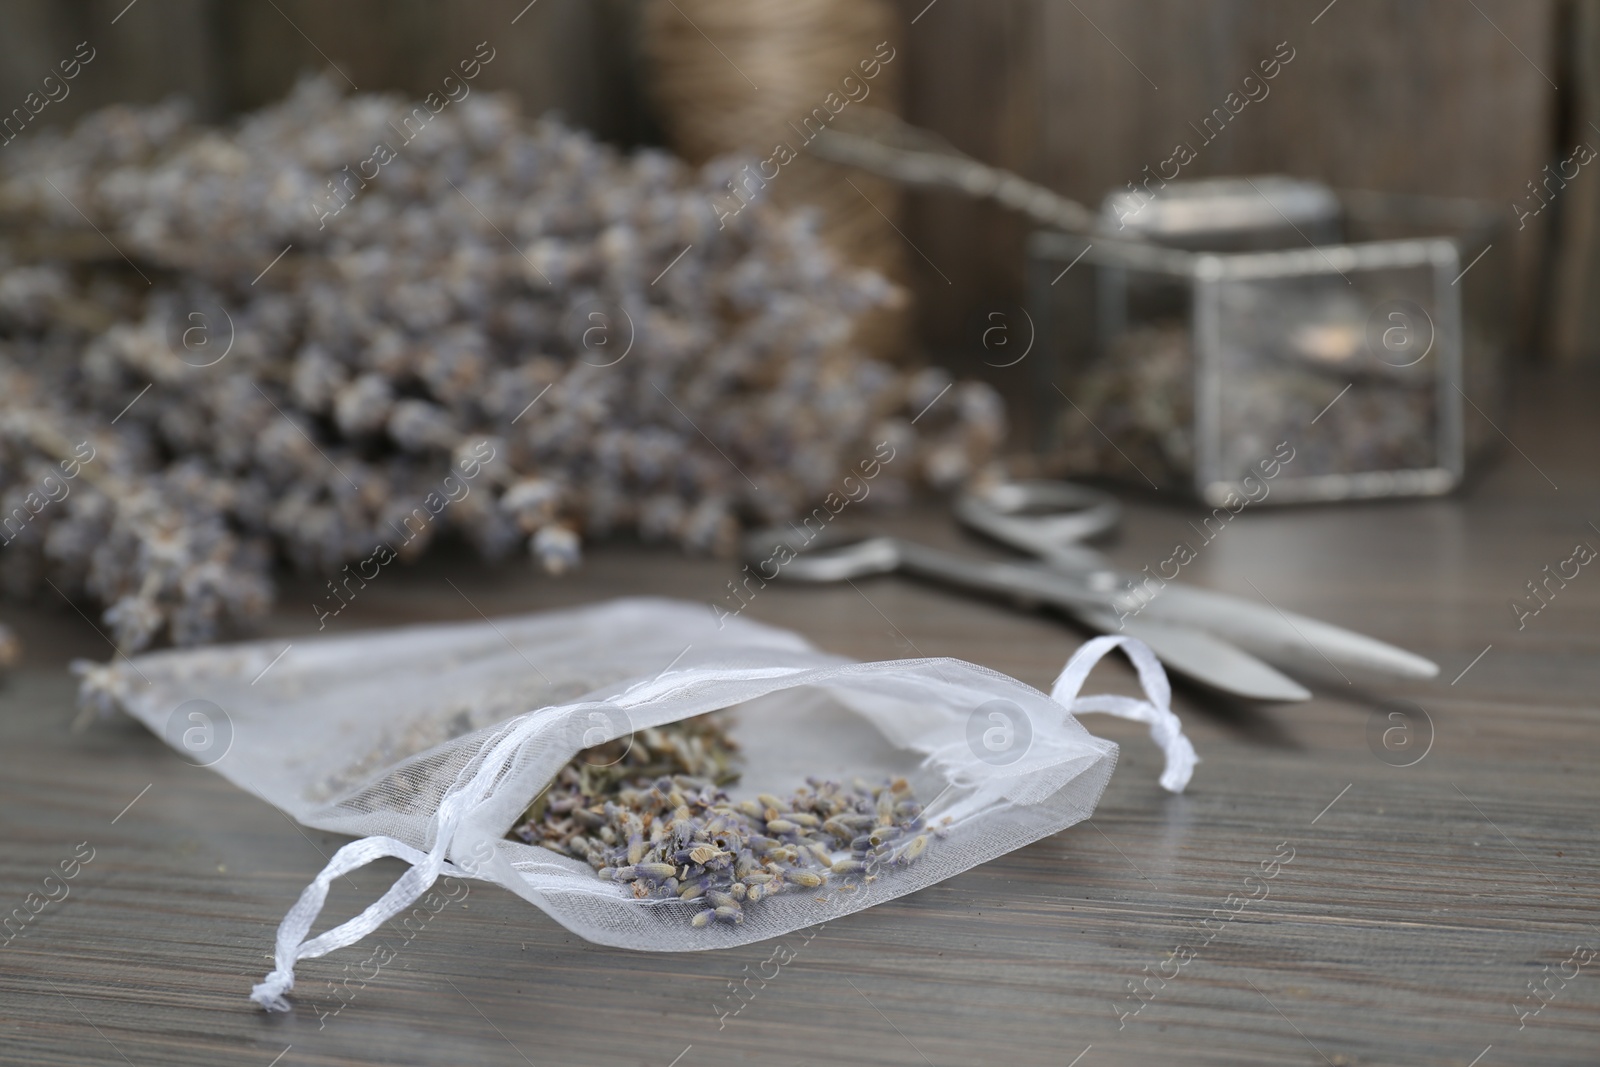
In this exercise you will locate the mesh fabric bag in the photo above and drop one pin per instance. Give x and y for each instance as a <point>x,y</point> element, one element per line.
<point>429,742</point>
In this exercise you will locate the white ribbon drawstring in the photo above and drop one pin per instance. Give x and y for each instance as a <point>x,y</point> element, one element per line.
<point>292,945</point>
<point>426,868</point>
<point>1165,729</point>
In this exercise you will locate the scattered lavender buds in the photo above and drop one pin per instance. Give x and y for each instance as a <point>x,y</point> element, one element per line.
<point>649,811</point>
<point>511,333</point>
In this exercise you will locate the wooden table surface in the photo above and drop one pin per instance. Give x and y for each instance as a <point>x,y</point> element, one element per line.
<point>1422,905</point>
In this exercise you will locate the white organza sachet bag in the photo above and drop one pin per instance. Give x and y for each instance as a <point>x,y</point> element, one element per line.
<point>429,742</point>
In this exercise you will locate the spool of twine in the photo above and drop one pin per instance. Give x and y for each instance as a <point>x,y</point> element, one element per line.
<point>744,76</point>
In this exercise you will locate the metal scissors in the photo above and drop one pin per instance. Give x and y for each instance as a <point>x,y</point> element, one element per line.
<point>1211,637</point>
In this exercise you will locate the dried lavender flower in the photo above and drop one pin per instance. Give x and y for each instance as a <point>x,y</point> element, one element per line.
<point>648,811</point>
<point>484,338</point>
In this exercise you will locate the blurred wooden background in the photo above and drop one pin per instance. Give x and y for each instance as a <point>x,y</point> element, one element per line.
<point>1436,96</point>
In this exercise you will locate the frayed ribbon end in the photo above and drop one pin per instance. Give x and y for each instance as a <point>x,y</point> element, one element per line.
<point>1181,759</point>
<point>270,993</point>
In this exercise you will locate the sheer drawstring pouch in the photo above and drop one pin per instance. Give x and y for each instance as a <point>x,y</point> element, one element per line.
<point>429,743</point>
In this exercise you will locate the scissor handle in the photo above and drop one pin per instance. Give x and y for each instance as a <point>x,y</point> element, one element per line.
<point>1039,517</point>
<point>833,558</point>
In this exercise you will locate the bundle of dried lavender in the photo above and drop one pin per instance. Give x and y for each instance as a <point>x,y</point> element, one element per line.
<point>647,810</point>
<point>275,342</point>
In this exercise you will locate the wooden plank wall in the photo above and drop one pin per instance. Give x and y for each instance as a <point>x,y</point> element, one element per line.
<point>1410,95</point>
<point>574,56</point>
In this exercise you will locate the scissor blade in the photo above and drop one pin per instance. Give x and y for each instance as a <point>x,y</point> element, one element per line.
<point>1204,658</point>
<point>1274,633</point>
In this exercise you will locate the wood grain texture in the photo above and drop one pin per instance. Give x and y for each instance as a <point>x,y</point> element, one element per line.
<point>1419,903</point>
